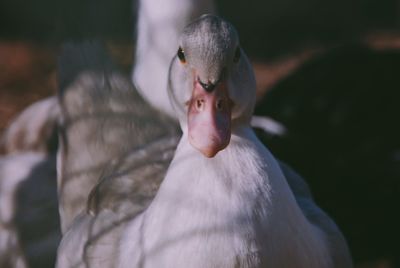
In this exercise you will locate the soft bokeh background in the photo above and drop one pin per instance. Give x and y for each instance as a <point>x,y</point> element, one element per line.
<point>331,71</point>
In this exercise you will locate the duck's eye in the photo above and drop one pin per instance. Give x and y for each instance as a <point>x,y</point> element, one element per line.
<point>181,55</point>
<point>236,57</point>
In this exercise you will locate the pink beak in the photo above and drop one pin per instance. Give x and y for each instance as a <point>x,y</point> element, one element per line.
<point>209,119</point>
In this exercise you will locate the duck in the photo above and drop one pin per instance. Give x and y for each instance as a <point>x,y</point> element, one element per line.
<point>28,188</point>
<point>224,201</point>
<point>104,123</point>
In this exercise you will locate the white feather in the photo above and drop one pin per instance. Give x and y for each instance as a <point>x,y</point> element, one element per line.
<point>235,210</point>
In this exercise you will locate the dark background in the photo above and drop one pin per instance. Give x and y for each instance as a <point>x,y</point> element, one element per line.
<point>328,70</point>
<point>266,27</point>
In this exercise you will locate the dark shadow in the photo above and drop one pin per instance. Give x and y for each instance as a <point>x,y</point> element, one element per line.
<point>342,112</point>
<point>273,28</point>
<point>267,28</point>
<point>36,217</point>
<point>47,20</point>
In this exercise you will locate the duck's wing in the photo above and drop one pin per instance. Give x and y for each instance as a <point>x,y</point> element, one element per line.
<point>114,152</point>
<point>305,200</point>
<point>123,192</point>
<point>34,129</point>
<point>103,120</point>
<point>316,216</point>
<point>130,186</point>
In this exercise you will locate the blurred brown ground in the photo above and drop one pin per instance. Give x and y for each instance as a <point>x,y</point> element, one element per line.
<point>28,69</point>
<point>27,74</point>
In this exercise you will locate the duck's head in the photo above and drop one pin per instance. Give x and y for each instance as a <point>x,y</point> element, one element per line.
<point>211,84</point>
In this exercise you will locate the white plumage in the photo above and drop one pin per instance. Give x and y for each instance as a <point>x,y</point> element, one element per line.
<point>233,210</point>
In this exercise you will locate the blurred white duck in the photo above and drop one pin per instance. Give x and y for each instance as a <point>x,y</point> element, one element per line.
<point>85,151</point>
<point>234,209</point>
<point>29,226</point>
<point>158,28</point>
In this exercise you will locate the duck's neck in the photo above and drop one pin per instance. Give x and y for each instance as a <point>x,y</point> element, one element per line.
<point>159,26</point>
<point>233,208</point>
<point>237,179</point>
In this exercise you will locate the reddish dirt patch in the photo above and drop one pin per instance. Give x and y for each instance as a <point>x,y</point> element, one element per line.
<point>27,74</point>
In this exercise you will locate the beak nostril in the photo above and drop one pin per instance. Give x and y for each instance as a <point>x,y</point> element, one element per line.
<point>219,105</point>
<point>199,104</point>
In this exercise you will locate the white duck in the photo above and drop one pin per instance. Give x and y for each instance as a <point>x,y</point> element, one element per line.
<point>85,150</point>
<point>104,122</point>
<point>28,191</point>
<point>234,209</point>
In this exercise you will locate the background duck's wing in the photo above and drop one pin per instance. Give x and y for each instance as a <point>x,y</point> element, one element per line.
<point>130,186</point>
<point>104,120</point>
<point>34,129</point>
